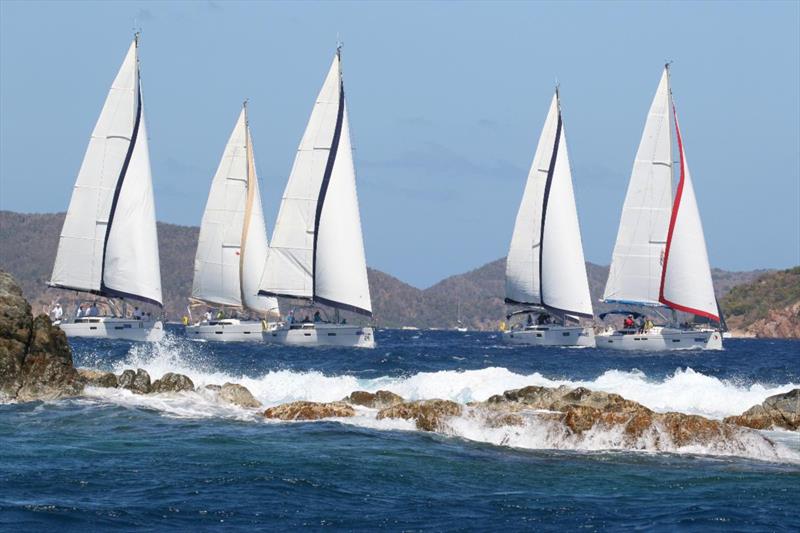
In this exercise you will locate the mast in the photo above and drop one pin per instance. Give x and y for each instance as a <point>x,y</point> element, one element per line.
<point>248,206</point>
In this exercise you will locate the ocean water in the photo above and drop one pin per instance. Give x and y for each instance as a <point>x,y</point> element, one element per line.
<point>186,462</point>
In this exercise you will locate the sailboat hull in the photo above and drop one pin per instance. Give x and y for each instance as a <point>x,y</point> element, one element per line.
<point>322,334</point>
<point>665,339</point>
<point>227,331</point>
<point>114,328</point>
<point>551,335</point>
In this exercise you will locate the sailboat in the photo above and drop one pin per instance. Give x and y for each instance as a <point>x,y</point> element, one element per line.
<point>317,250</point>
<point>545,269</point>
<point>232,246</point>
<point>660,258</point>
<point>108,245</point>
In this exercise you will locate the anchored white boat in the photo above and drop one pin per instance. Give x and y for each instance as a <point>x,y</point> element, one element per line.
<point>317,251</point>
<point>545,269</point>
<point>660,258</point>
<point>232,246</point>
<point>108,245</point>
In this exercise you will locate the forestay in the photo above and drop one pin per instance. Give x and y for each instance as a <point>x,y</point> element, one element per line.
<point>317,248</point>
<point>108,244</point>
<point>636,264</point>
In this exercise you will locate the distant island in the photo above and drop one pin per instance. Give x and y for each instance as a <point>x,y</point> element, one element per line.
<point>756,303</point>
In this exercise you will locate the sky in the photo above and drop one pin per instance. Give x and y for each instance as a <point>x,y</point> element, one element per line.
<point>446,103</point>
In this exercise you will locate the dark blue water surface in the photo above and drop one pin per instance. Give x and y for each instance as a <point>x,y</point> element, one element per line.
<point>109,462</point>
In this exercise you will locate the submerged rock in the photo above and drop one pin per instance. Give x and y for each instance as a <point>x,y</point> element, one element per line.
<point>237,395</point>
<point>98,378</point>
<point>780,410</point>
<point>429,415</point>
<point>309,411</point>
<point>375,400</point>
<point>171,382</point>
<point>35,358</point>
<point>138,382</point>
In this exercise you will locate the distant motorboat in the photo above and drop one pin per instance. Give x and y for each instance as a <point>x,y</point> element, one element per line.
<point>317,251</point>
<point>232,246</point>
<point>660,258</point>
<point>545,269</point>
<point>108,245</point>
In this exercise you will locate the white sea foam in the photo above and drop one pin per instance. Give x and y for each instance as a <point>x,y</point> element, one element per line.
<point>685,390</point>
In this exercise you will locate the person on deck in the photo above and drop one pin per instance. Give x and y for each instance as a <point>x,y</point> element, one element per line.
<point>208,316</point>
<point>137,313</point>
<point>530,320</point>
<point>93,311</point>
<point>628,322</point>
<point>220,315</point>
<point>317,317</point>
<point>648,325</point>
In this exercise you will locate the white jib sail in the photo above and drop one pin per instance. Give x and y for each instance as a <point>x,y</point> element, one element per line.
<point>636,264</point>
<point>565,286</point>
<point>289,268</point>
<point>522,264</point>
<point>341,267</point>
<point>121,260</point>
<point>687,284</point>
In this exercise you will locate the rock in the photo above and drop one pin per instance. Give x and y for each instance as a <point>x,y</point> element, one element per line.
<point>309,411</point>
<point>213,387</point>
<point>779,323</point>
<point>98,378</point>
<point>378,400</point>
<point>238,395</point>
<point>138,382</point>
<point>781,410</point>
<point>428,414</point>
<point>171,382</point>
<point>35,358</point>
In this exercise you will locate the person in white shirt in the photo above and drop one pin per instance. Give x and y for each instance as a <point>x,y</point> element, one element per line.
<point>137,313</point>
<point>208,315</point>
<point>58,312</point>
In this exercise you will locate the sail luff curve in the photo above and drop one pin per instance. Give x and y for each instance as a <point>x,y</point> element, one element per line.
<point>637,259</point>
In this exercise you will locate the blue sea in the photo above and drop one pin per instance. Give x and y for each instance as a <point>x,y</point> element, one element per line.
<point>185,462</point>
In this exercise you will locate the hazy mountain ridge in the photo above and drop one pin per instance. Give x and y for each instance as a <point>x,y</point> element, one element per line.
<point>28,245</point>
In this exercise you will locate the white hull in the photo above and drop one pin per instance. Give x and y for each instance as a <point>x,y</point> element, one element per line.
<point>322,334</point>
<point>227,331</point>
<point>115,328</point>
<point>660,340</point>
<point>551,335</point>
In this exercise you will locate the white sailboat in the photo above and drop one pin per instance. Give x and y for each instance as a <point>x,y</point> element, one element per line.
<point>660,257</point>
<point>108,245</point>
<point>317,250</point>
<point>545,269</point>
<point>232,246</point>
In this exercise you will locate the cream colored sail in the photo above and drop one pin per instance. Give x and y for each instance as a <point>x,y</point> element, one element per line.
<point>108,244</point>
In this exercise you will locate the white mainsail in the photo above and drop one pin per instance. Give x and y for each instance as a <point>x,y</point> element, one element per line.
<point>686,283</point>
<point>317,250</point>
<point>108,244</point>
<point>232,246</point>
<point>635,272</point>
<point>545,264</point>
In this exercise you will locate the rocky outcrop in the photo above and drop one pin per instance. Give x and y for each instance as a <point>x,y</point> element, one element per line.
<point>781,410</point>
<point>236,394</point>
<point>781,323</point>
<point>138,382</point>
<point>98,378</point>
<point>310,411</point>
<point>429,415</point>
<point>35,358</point>
<point>171,382</point>
<point>374,400</point>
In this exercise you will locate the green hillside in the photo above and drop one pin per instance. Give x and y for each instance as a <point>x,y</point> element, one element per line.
<point>749,302</point>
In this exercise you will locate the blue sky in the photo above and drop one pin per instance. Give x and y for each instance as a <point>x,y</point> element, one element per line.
<point>446,103</point>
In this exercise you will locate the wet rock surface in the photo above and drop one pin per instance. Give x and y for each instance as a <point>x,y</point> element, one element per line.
<point>236,394</point>
<point>98,378</point>
<point>781,411</point>
<point>172,382</point>
<point>138,381</point>
<point>374,400</point>
<point>429,415</point>
<point>309,411</point>
<point>35,358</point>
